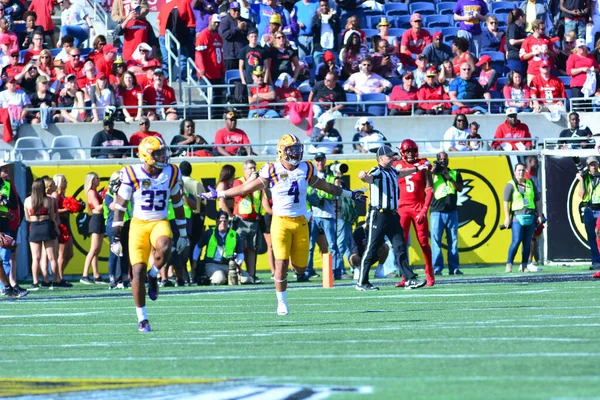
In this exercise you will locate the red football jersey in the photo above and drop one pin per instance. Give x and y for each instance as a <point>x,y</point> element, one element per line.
<point>209,47</point>
<point>153,96</point>
<point>412,187</point>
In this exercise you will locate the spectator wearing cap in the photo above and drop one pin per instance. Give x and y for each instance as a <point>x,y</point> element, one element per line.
<point>263,13</point>
<point>58,81</point>
<point>71,99</point>
<point>384,28</point>
<point>109,142</point>
<point>44,99</point>
<point>234,31</point>
<point>160,94</point>
<point>325,138</point>
<point>267,39</point>
<point>36,48</point>
<point>367,139</point>
<point>437,51</point>
<point>101,97</point>
<point>491,36</point>
<point>43,10</point>
<point>209,55</point>
<point>545,88</point>
<point>15,100</point>
<point>536,49</point>
<point>118,68</point>
<point>512,128</point>
<point>251,56</point>
<point>578,65</point>
<point>136,138</point>
<point>260,96</point>
<point>75,64</point>
<point>326,28</point>
<point>285,93</point>
<point>104,62</point>
<point>75,21</point>
<point>385,63</point>
<point>12,68</point>
<point>304,11</point>
<point>231,141</point>
<point>326,95</point>
<point>403,99</point>
<point>5,50</point>
<point>147,77</point>
<point>328,65</point>
<point>130,97</point>
<point>471,13</point>
<point>464,87</point>
<point>421,71</point>
<point>488,76</point>
<point>577,131</point>
<point>141,57</point>
<point>352,53</point>
<point>284,58</point>
<point>135,30</point>
<point>366,81</point>
<point>432,91</point>
<point>67,44</point>
<point>416,38</point>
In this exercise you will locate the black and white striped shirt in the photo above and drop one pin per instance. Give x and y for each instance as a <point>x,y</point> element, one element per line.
<point>384,189</point>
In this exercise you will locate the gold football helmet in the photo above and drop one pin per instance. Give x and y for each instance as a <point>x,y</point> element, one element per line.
<point>154,152</point>
<point>290,149</point>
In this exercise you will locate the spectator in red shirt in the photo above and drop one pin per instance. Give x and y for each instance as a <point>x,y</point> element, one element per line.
<point>209,52</point>
<point>260,96</point>
<point>36,48</point>
<point>535,49</point>
<point>88,78</point>
<point>415,39</point>
<point>130,97</point>
<point>74,65</point>
<point>144,132</point>
<point>286,94</point>
<point>99,43</point>
<point>135,30</point>
<point>231,135</point>
<point>159,93</point>
<point>104,62</point>
<point>147,78</point>
<point>432,90</point>
<point>12,69</point>
<point>140,58</point>
<point>512,128</point>
<point>545,86</point>
<point>578,64</point>
<point>43,10</point>
<point>403,94</point>
<point>118,69</point>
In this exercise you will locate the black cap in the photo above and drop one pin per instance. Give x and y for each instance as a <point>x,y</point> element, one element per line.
<point>108,121</point>
<point>252,30</point>
<point>386,151</point>
<point>320,156</point>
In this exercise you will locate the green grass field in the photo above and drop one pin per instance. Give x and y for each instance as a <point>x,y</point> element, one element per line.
<point>528,336</point>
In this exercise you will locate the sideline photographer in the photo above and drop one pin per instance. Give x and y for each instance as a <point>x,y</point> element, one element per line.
<point>589,191</point>
<point>447,183</point>
<point>324,217</point>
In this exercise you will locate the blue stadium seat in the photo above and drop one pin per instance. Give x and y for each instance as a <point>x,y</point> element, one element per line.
<point>402,21</point>
<point>396,32</point>
<point>231,75</point>
<point>395,9</point>
<point>369,33</point>
<point>373,20</point>
<point>369,13</point>
<point>498,60</point>
<point>85,52</point>
<point>55,52</point>
<point>566,80</point>
<point>422,8</point>
<point>351,109</point>
<point>22,55</point>
<point>501,82</point>
<point>438,21</point>
<point>502,7</point>
<point>19,27</point>
<point>377,110</point>
<point>445,8</point>
<point>450,34</point>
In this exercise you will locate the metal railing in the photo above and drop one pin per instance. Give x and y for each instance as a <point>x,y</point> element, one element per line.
<point>584,104</point>
<point>192,83</point>
<point>99,15</point>
<point>173,59</point>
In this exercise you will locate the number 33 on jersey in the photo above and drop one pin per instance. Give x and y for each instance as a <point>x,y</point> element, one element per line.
<point>150,194</point>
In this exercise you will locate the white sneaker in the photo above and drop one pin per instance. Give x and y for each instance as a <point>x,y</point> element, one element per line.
<point>282,308</point>
<point>356,274</point>
<point>533,268</point>
<point>379,272</point>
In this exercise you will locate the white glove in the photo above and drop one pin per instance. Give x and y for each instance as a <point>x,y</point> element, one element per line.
<point>116,248</point>
<point>182,243</point>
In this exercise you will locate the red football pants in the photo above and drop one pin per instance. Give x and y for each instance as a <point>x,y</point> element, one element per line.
<point>408,216</point>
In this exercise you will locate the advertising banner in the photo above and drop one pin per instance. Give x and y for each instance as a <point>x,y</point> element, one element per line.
<point>480,206</point>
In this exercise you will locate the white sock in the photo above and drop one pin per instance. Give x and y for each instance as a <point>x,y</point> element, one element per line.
<point>141,313</point>
<point>281,296</point>
<point>153,272</point>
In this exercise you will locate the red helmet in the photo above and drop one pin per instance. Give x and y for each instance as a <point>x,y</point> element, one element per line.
<point>409,146</point>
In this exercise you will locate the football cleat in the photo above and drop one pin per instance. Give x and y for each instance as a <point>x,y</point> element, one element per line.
<point>282,308</point>
<point>152,287</point>
<point>401,283</point>
<point>144,326</point>
<point>596,275</point>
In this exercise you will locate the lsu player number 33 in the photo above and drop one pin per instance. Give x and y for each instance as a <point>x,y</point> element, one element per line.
<point>288,179</point>
<point>149,186</point>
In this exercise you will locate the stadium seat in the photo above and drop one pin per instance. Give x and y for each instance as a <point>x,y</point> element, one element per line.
<point>22,55</point>
<point>445,8</point>
<point>566,80</point>
<point>502,7</point>
<point>29,148</point>
<point>395,82</point>
<point>378,110</point>
<point>422,8</point>
<point>397,32</point>
<point>270,148</point>
<point>351,109</point>
<point>19,27</point>
<point>450,31</point>
<point>67,148</point>
<point>369,33</point>
<point>373,20</point>
<point>498,60</point>
<point>501,83</point>
<point>402,21</point>
<point>232,74</point>
<point>85,52</point>
<point>55,52</point>
<point>438,21</point>
<point>395,9</point>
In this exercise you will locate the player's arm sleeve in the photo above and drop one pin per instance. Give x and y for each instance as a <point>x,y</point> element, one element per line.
<point>127,183</point>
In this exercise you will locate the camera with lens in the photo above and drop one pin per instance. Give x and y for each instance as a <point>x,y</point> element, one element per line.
<point>337,168</point>
<point>3,199</point>
<point>438,168</point>
<point>581,166</point>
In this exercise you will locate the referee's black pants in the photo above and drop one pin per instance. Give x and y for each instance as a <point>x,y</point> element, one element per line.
<point>382,224</point>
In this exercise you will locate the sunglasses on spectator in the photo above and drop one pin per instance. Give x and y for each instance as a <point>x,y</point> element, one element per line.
<point>143,51</point>
<point>144,123</point>
<point>76,55</point>
<point>278,37</point>
<point>569,41</point>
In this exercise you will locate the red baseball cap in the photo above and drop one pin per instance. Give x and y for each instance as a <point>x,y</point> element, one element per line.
<point>152,64</point>
<point>484,59</point>
<point>544,63</point>
<point>438,35</point>
<point>109,48</point>
<point>416,17</point>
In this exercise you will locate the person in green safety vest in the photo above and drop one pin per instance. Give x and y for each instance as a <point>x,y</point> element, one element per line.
<point>447,183</point>
<point>247,210</point>
<point>589,191</point>
<point>222,246</point>
<point>521,208</point>
<point>195,224</point>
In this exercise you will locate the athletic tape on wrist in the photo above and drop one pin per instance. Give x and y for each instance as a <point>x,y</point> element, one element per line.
<point>180,222</point>
<point>117,224</point>
<point>120,207</point>
<point>182,232</point>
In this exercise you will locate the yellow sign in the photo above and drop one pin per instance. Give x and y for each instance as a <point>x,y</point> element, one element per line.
<point>480,206</point>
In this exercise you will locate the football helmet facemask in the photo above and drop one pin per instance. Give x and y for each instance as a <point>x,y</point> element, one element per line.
<point>154,152</point>
<point>290,149</point>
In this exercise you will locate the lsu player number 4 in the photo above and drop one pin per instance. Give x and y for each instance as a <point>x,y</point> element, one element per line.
<point>288,179</point>
<point>149,186</point>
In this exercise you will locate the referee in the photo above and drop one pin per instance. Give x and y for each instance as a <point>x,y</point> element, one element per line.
<point>384,220</point>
